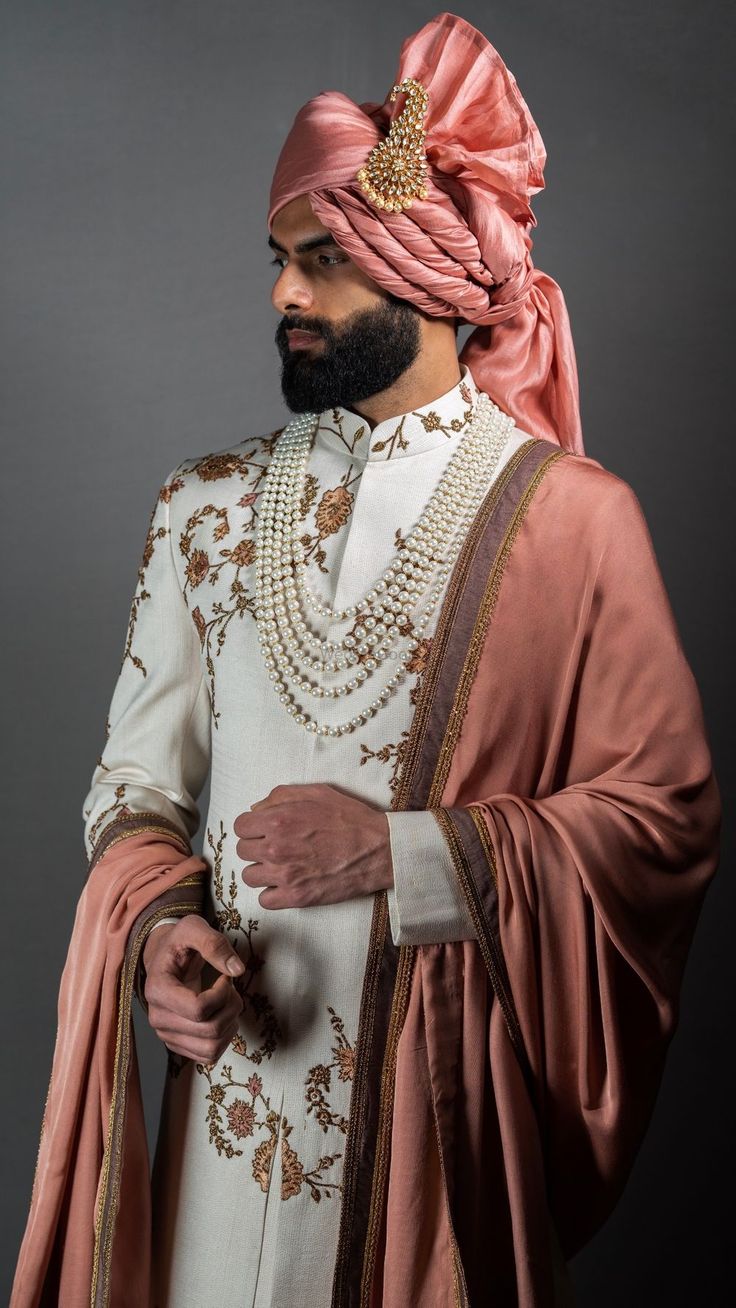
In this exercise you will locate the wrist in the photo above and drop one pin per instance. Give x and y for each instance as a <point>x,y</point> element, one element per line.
<point>154,940</point>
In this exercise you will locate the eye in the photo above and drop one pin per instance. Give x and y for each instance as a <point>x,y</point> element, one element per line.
<point>331,258</point>
<point>278,261</point>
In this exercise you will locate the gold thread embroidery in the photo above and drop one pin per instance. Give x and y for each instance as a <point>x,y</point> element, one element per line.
<point>441,636</point>
<point>399,1003</point>
<point>110,1172</point>
<point>485,612</point>
<point>491,958</point>
<point>358,1102</point>
<point>485,841</point>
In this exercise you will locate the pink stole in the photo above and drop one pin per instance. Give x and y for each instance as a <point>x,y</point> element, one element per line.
<point>88,1227</point>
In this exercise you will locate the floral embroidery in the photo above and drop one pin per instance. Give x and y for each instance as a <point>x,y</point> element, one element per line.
<point>154,535</point>
<point>213,467</point>
<point>418,660</point>
<point>232,1120</point>
<point>396,441</point>
<point>205,562</point>
<point>197,568</point>
<point>388,754</point>
<point>431,421</point>
<point>333,511</point>
<point>229,918</point>
<point>293,1176</point>
<point>118,807</point>
<point>311,486</point>
<point>337,430</point>
<point>170,488</point>
<point>320,1076</point>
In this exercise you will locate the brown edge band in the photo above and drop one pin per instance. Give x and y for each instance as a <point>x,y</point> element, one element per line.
<point>132,824</point>
<point>386,985</point>
<point>474,862</point>
<point>183,898</point>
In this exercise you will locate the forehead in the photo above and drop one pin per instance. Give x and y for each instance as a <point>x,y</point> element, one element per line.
<point>295,221</point>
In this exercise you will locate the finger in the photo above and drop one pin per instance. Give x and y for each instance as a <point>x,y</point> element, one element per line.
<point>222,1026</point>
<point>169,993</point>
<point>257,874</point>
<point>199,1051</point>
<point>213,946</point>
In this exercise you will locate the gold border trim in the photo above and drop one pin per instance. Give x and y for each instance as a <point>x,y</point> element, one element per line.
<point>407,954</point>
<point>111,1163</point>
<point>477,639</point>
<point>400,1001</point>
<point>438,648</point>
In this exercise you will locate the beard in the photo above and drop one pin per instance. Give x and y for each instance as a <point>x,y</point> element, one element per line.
<point>366,354</point>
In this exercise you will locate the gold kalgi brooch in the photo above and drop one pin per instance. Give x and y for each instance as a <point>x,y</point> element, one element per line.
<point>394,172</point>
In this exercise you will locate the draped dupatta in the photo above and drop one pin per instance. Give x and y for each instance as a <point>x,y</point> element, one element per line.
<point>87,1238</point>
<point>504,1084</point>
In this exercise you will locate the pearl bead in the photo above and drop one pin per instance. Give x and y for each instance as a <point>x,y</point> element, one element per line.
<point>429,553</point>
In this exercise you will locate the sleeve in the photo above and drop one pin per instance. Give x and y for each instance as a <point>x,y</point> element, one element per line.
<point>587,898</point>
<point>426,904</point>
<point>157,752</point>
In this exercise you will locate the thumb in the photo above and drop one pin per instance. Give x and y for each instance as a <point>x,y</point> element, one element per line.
<point>215,948</point>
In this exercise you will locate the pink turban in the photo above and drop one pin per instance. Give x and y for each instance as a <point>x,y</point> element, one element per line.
<point>464,251</point>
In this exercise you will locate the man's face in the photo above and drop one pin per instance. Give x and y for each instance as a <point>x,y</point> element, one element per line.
<point>359,338</point>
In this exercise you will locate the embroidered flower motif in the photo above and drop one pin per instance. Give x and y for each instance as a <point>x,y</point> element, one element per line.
<point>244,553</point>
<point>418,660</point>
<point>214,466</point>
<point>431,421</point>
<point>240,1118</point>
<point>167,491</point>
<point>456,424</point>
<point>199,622</point>
<point>262,1159</point>
<point>198,567</point>
<point>245,501</point>
<point>292,1172</point>
<point>465,391</point>
<point>346,1063</point>
<point>333,511</point>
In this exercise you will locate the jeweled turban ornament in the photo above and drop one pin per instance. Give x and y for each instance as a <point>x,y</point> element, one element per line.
<point>394,172</point>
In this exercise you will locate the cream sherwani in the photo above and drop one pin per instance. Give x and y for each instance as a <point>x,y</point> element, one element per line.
<point>248,1168</point>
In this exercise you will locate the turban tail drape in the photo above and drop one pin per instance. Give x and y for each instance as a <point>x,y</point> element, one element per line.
<point>465,250</point>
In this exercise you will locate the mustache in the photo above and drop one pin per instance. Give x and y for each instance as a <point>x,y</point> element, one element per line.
<point>300,325</point>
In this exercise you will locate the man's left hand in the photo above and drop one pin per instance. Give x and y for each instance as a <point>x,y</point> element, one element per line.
<point>314,845</point>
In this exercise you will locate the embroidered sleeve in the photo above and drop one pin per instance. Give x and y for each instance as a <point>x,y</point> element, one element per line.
<point>426,904</point>
<point>157,751</point>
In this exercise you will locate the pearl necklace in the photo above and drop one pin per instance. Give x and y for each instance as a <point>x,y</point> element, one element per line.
<point>386,610</point>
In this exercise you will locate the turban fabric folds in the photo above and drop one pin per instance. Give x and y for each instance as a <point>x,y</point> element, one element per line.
<point>465,250</point>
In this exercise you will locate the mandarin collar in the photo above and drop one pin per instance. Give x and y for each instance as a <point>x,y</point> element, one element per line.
<point>404,434</point>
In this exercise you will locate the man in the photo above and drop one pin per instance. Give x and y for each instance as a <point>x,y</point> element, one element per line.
<point>418,990</point>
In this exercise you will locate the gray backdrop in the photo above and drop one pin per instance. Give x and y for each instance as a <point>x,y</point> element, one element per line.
<point>138,146</point>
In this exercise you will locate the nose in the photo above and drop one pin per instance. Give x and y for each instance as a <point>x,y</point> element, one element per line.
<point>291,292</point>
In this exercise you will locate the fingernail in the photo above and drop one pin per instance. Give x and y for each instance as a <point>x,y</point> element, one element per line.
<point>234,965</point>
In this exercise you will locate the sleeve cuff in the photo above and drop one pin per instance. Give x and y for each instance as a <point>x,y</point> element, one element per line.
<point>426,904</point>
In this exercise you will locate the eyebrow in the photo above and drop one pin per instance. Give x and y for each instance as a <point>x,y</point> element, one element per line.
<point>303,247</point>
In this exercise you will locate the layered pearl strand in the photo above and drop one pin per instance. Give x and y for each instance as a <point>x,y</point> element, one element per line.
<point>431,547</point>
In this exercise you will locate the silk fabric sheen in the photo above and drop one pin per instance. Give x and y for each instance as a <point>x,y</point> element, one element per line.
<point>584,751</point>
<point>466,250</point>
<point>56,1255</point>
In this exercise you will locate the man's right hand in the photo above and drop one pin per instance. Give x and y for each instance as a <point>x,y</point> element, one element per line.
<point>197,1023</point>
